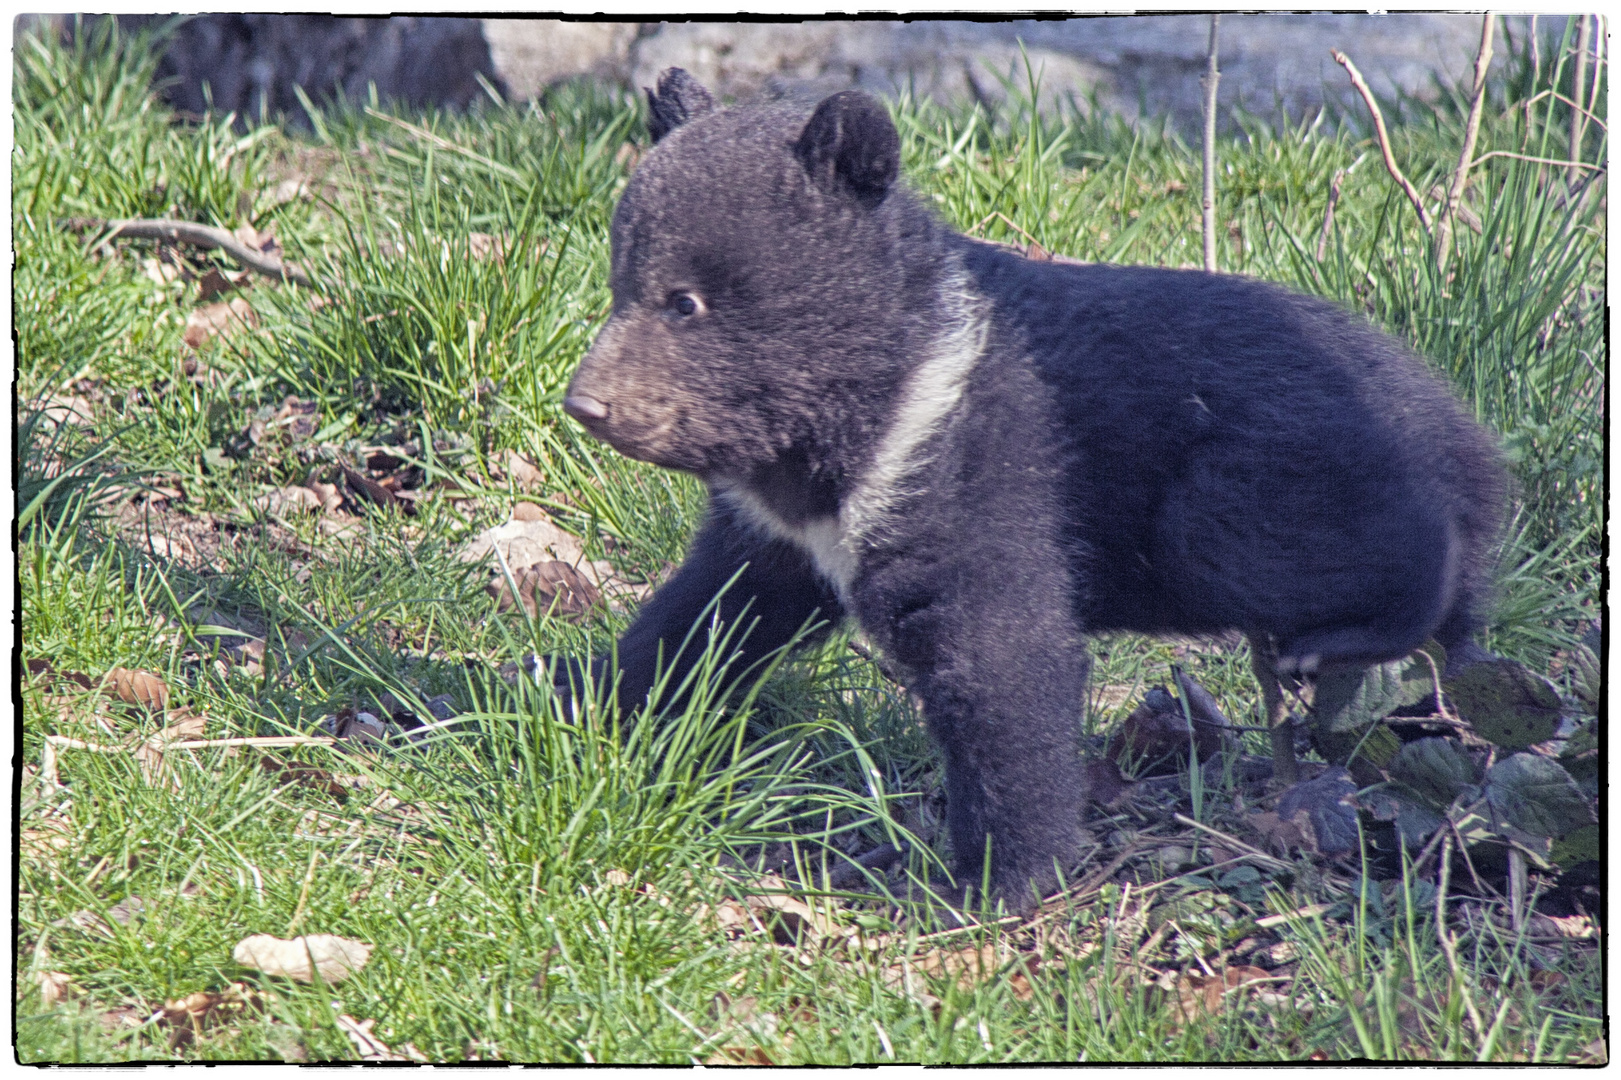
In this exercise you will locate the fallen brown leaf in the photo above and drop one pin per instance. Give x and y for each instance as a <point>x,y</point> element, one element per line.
<point>1197,993</point>
<point>71,409</point>
<point>141,688</point>
<point>214,283</point>
<point>333,958</point>
<point>548,588</point>
<point>219,319</point>
<point>306,776</point>
<point>287,501</point>
<point>522,471</point>
<point>54,986</point>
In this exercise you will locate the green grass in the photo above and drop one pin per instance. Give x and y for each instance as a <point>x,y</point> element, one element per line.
<point>532,887</point>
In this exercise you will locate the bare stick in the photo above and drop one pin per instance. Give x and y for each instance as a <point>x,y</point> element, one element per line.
<point>1212,76</point>
<point>1328,215</point>
<point>203,236</point>
<point>1536,54</point>
<point>1584,42</point>
<point>1538,160</point>
<point>197,744</point>
<point>1253,852</point>
<point>1557,96</point>
<point>1598,67</point>
<point>1460,176</point>
<point>1383,136</point>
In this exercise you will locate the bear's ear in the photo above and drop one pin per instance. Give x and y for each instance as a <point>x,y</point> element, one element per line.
<point>679,98</point>
<point>851,141</point>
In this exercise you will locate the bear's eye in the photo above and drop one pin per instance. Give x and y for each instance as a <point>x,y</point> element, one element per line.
<point>684,304</point>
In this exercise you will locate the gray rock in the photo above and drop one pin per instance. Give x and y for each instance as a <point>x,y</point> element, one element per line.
<point>532,54</point>
<point>1141,65</point>
<point>1136,65</point>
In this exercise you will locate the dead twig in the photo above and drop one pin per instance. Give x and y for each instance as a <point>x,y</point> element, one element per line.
<point>1254,852</point>
<point>168,231</point>
<point>1561,162</point>
<point>1557,96</point>
<point>67,743</point>
<point>1212,76</point>
<point>1460,175</point>
<point>1383,136</point>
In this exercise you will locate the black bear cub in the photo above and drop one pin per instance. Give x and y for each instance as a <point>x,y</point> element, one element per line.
<point>982,458</point>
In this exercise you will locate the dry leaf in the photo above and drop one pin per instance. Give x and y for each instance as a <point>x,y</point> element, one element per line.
<point>310,777</point>
<point>483,246</point>
<point>790,920</point>
<point>358,727</point>
<point>1572,926</point>
<point>138,688</point>
<point>1198,993</point>
<point>183,724</point>
<point>617,877</point>
<point>523,543</point>
<point>287,501</point>
<point>214,284</point>
<point>87,921</point>
<point>219,319</point>
<point>528,511</point>
<point>334,958</point>
<point>72,409</point>
<point>331,498</point>
<point>549,588</point>
<point>160,271</point>
<point>1279,836</point>
<point>977,964</point>
<point>54,986</point>
<point>523,473</point>
<point>739,1055</point>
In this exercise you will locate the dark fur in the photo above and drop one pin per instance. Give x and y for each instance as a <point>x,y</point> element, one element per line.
<point>1135,448</point>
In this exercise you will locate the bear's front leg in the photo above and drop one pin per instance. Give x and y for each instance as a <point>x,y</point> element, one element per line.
<point>776,592</point>
<point>1001,668</point>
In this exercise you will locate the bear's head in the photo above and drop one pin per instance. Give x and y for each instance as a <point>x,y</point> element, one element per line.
<point>769,280</point>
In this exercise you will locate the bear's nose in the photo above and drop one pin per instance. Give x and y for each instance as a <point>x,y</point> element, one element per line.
<point>585,408</point>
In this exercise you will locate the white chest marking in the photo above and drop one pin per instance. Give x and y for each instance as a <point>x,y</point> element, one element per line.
<point>933,389</point>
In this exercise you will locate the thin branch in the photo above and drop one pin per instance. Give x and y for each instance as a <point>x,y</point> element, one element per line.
<point>1598,64</point>
<point>1212,77</point>
<point>203,236</point>
<point>1233,841</point>
<point>1536,160</point>
<point>1361,85</point>
<point>1557,96</point>
<point>198,744</point>
<point>1460,175</point>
